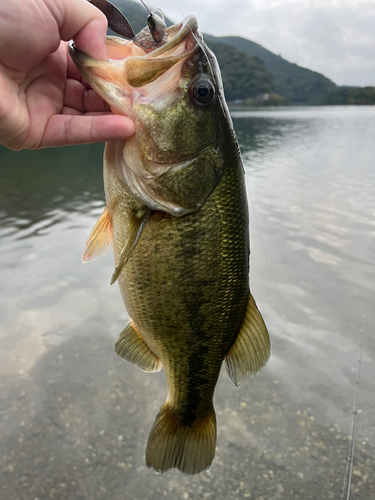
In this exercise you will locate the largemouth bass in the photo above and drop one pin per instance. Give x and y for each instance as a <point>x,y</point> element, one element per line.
<point>177,216</point>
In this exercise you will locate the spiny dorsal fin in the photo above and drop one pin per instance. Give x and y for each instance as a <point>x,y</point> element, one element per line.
<point>99,238</point>
<point>251,349</point>
<point>133,348</point>
<point>136,226</point>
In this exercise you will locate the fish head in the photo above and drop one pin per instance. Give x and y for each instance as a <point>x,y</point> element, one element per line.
<point>175,96</point>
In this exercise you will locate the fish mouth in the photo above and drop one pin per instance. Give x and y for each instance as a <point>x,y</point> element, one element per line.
<point>131,66</point>
<point>172,163</point>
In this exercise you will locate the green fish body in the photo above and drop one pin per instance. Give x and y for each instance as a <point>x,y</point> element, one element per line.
<point>176,214</point>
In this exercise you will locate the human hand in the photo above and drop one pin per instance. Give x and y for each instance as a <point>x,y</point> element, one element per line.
<point>43,100</point>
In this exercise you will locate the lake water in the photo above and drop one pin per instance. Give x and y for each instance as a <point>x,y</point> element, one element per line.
<point>74,418</point>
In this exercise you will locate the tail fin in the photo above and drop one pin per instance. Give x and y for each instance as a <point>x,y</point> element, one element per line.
<point>173,444</point>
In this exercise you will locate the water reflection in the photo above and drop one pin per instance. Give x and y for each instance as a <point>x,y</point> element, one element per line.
<point>45,185</point>
<point>74,418</point>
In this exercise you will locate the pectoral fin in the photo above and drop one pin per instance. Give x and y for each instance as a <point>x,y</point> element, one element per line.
<point>99,238</point>
<point>136,226</point>
<point>251,349</point>
<point>133,348</point>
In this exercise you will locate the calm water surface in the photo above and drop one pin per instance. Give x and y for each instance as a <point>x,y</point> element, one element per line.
<point>74,418</point>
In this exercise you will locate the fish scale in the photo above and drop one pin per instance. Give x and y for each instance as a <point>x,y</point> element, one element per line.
<point>176,299</point>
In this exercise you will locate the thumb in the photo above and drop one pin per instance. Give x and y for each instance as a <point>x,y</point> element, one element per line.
<point>85,24</point>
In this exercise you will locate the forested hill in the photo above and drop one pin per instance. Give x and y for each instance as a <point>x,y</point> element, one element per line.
<point>299,85</point>
<point>248,68</point>
<point>243,76</point>
<point>351,95</point>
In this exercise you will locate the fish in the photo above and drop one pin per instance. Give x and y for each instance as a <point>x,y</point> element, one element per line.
<point>177,218</point>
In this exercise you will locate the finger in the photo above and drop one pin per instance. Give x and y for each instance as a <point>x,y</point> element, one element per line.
<point>72,111</point>
<point>80,20</point>
<point>64,130</point>
<point>78,97</point>
<point>40,34</point>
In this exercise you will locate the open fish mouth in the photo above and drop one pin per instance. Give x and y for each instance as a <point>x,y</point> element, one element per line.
<point>131,66</point>
<point>172,163</point>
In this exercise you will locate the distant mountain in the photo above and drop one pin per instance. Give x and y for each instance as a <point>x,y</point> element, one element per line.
<point>351,95</point>
<point>299,85</point>
<point>243,76</point>
<point>248,68</point>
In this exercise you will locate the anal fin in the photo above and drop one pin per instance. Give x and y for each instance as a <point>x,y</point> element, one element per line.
<point>133,348</point>
<point>251,349</point>
<point>136,226</point>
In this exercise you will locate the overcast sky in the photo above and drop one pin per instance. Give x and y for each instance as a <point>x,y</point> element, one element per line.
<point>334,37</point>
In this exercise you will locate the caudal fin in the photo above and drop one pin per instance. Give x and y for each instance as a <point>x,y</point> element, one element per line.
<point>173,444</point>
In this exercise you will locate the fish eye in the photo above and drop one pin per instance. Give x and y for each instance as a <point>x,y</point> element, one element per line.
<point>203,91</point>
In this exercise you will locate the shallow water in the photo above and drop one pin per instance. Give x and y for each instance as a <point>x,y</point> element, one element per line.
<point>74,418</point>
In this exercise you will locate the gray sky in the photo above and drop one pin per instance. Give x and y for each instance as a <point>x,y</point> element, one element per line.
<point>334,37</point>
